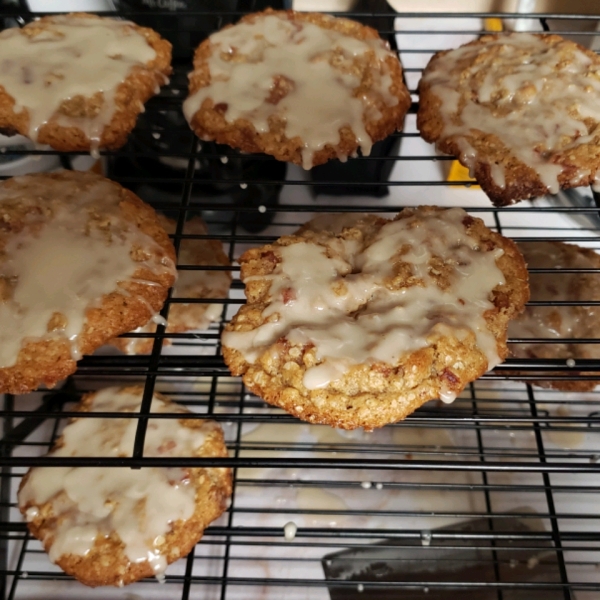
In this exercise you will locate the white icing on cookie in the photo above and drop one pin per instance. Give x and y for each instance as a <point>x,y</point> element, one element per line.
<point>534,97</point>
<point>73,56</point>
<point>140,506</point>
<point>252,61</point>
<point>332,294</point>
<point>75,248</point>
<point>199,282</point>
<point>196,283</point>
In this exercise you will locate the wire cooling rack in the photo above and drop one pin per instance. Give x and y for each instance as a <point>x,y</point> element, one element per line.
<point>496,496</point>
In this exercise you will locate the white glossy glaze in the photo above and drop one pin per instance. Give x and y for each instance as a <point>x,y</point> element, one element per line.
<point>74,56</point>
<point>533,97</point>
<point>63,263</point>
<point>140,506</point>
<point>333,295</point>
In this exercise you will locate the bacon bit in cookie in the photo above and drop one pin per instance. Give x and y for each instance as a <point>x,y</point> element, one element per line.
<point>450,377</point>
<point>282,86</point>
<point>289,295</point>
<point>271,257</point>
<point>282,346</point>
<point>385,370</point>
<point>501,299</point>
<point>167,447</point>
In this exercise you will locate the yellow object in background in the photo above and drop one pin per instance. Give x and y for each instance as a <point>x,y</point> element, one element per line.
<point>493,24</point>
<point>457,171</point>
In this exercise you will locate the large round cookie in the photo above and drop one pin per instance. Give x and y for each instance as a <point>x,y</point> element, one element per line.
<point>558,322</point>
<point>303,87</point>
<point>81,260</point>
<point>112,525</point>
<point>191,284</point>
<point>357,321</point>
<point>78,81</point>
<point>522,111</point>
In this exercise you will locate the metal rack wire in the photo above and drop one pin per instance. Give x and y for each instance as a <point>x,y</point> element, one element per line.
<point>495,496</point>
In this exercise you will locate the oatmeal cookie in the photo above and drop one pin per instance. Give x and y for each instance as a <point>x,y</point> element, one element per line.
<point>198,283</point>
<point>358,321</point>
<point>521,111</point>
<point>77,82</point>
<point>559,322</point>
<point>81,260</point>
<point>303,87</point>
<point>115,525</point>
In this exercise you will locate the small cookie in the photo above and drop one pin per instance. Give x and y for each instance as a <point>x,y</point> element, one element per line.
<point>77,82</point>
<point>115,525</point>
<point>558,322</point>
<point>81,260</point>
<point>358,323</point>
<point>303,87</point>
<point>190,284</point>
<point>521,111</point>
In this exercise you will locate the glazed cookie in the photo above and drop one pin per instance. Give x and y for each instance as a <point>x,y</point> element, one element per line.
<point>116,525</point>
<point>81,260</point>
<point>303,87</point>
<point>358,321</point>
<point>558,322</point>
<point>522,111</point>
<point>198,283</point>
<point>78,81</point>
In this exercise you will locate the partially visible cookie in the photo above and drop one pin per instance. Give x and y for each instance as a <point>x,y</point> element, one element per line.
<point>359,322</point>
<point>303,87</point>
<point>79,81</point>
<point>115,525</point>
<point>522,111</point>
<point>81,260</point>
<point>198,283</point>
<point>558,322</point>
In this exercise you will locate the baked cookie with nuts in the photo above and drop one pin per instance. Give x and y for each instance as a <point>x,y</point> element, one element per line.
<point>356,321</point>
<point>199,283</point>
<point>555,322</point>
<point>77,82</point>
<point>520,110</point>
<point>115,525</point>
<point>302,87</point>
<point>82,260</point>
